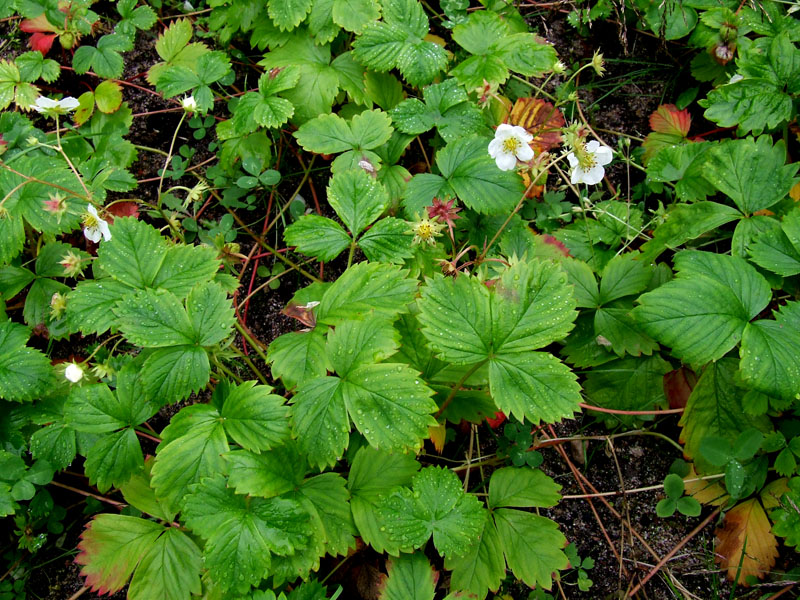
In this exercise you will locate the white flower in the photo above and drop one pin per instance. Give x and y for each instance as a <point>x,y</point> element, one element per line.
<point>509,144</point>
<point>588,168</point>
<point>73,372</point>
<point>94,227</point>
<point>52,107</point>
<point>736,78</point>
<point>189,104</point>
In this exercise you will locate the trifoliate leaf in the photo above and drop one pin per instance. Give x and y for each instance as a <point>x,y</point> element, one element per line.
<point>210,312</point>
<point>751,172</point>
<point>154,319</point>
<point>516,528</point>
<point>715,409</point>
<point>373,474</point>
<point>33,65</point>
<point>255,418</point>
<point>171,374</point>
<point>184,267</point>
<point>320,418</point>
<point>175,49</point>
<point>94,409</point>
<point>185,459</point>
<point>684,164</point>
<point>624,275</point>
<point>170,569</point>
<point>326,499</point>
<point>524,487</point>
<point>411,577</point>
<point>701,314</point>
<point>90,305</point>
<point>105,59</point>
<point>298,357</point>
<point>134,253</point>
<point>770,354</point>
<point>753,104</point>
<point>366,290</point>
<point>397,41</point>
<point>436,507</point>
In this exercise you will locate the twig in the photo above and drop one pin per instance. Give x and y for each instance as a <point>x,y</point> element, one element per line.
<point>89,494</point>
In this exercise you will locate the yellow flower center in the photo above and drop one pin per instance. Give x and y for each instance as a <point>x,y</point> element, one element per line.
<point>511,144</point>
<point>90,221</point>
<point>424,231</point>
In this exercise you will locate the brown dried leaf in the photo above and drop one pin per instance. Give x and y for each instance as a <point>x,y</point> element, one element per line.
<point>678,386</point>
<point>706,491</point>
<point>745,538</point>
<point>541,119</point>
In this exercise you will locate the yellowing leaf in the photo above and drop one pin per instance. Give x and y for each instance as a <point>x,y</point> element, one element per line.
<point>745,538</point>
<point>794,193</point>
<point>542,120</point>
<point>437,435</point>
<point>706,491</point>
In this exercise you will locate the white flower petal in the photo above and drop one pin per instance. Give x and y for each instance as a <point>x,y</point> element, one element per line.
<point>69,103</point>
<point>592,146</point>
<point>603,155</point>
<point>73,372</point>
<point>525,153</point>
<point>102,226</point>
<point>92,234</point>
<point>92,210</point>
<point>594,175</point>
<point>504,128</point>
<point>573,160</point>
<point>576,175</point>
<point>506,161</point>
<point>495,146</point>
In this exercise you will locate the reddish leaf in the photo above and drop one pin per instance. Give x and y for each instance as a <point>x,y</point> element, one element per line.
<point>745,538</point>
<point>42,42</point>
<point>670,127</point>
<point>549,240</point>
<point>542,120</point>
<point>499,418</point>
<point>304,314</point>
<point>678,385</point>
<point>44,33</point>
<point>111,546</point>
<point>123,209</point>
<point>668,119</point>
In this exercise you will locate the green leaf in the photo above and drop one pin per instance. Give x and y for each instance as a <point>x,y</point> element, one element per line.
<point>411,577</point>
<point>33,65</point>
<point>298,357</point>
<point>105,59</point>
<point>397,41</point>
<point>446,106</point>
<point>94,409</point>
<point>175,49</point>
<point>389,241</point>
<point>534,385</point>
<point>255,418</point>
<point>288,14</point>
<point>373,474</point>
<point>154,319</point>
<point>715,409</point>
<point>686,222</point>
<point>701,314</point>
<point>320,417</point>
<point>184,267</point>
<point>113,459</point>
<point>186,459</point>
<point>171,374</point>
<point>684,164</point>
<point>112,546</point>
<point>134,253</point>
<point>437,506</point>
<point>90,305</point>
<point>13,280</point>
<point>319,237</point>
<point>525,487</point>
<point>139,494</point>
<point>170,569</point>
<point>770,354</point>
<point>357,198</point>
<point>366,290</point>
<point>242,534</point>
<point>268,474</point>
<point>108,96</point>
<point>617,327</point>
<point>474,177</point>
<point>628,384</point>
<point>753,104</point>
<point>483,567</point>
<point>516,528</point>
<point>210,312</point>
<point>751,172</point>
<point>54,443</point>
<point>25,373</point>
<point>327,500</point>
<point>624,275</point>
<point>356,343</point>
<point>581,278</point>
<point>353,15</point>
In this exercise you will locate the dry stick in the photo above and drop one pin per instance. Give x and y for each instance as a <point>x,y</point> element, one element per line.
<point>648,488</point>
<point>79,593</point>
<point>89,494</point>
<point>627,509</point>
<point>589,500</point>
<point>672,552</point>
<point>782,592</point>
<point>671,411</point>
